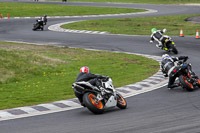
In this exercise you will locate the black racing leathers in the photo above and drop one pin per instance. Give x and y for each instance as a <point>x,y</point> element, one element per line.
<point>158,36</point>
<point>91,78</point>
<point>168,66</point>
<point>87,76</point>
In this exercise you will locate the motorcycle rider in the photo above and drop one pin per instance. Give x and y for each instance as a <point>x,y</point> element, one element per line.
<point>42,21</point>
<point>158,36</point>
<point>169,64</point>
<point>93,79</point>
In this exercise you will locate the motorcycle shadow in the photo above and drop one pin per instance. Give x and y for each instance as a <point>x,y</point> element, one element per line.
<point>180,89</point>
<point>107,111</point>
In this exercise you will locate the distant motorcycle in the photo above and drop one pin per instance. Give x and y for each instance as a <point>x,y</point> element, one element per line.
<point>185,79</point>
<point>98,100</point>
<point>38,25</point>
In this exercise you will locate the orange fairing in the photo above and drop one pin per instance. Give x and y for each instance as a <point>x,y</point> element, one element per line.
<point>121,100</point>
<point>191,86</point>
<point>94,101</point>
<point>198,81</point>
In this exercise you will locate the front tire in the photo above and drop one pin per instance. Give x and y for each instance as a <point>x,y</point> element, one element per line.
<point>185,83</point>
<point>121,102</point>
<point>198,82</point>
<point>91,102</point>
<point>36,26</point>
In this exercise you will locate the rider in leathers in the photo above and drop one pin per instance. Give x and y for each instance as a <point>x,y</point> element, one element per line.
<point>86,76</point>
<point>158,36</point>
<point>43,21</point>
<point>168,65</point>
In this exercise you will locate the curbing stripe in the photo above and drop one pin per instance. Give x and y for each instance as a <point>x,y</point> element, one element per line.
<point>17,112</point>
<point>39,108</point>
<point>5,114</point>
<point>29,110</point>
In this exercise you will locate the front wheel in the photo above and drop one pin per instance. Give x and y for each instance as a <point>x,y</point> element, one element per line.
<point>185,83</point>
<point>121,102</point>
<point>36,26</point>
<point>92,103</point>
<point>198,82</point>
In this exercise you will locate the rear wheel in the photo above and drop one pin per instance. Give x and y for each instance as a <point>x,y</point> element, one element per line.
<point>121,102</point>
<point>185,83</point>
<point>91,102</point>
<point>174,50</point>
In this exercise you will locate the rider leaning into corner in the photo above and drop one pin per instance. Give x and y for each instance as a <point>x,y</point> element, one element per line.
<point>158,36</point>
<point>93,79</point>
<point>44,19</point>
<point>169,64</point>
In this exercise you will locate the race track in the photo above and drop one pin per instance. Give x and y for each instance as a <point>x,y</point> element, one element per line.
<point>158,111</point>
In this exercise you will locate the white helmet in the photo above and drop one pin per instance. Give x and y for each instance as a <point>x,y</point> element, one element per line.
<point>165,56</point>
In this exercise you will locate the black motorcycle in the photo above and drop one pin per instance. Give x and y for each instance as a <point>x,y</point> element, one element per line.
<point>185,79</point>
<point>97,100</point>
<point>169,45</point>
<point>38,25</point>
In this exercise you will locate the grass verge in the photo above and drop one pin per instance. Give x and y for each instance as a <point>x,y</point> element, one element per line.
<point>31,10</point>
<point>138,1</point>
<point>138,26</point>
<point>32,74</point>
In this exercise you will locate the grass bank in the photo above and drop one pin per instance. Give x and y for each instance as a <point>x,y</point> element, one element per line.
<point>138,26</point>
<point>31,10</point>
<point>32,74</point>
<point>139,1</point>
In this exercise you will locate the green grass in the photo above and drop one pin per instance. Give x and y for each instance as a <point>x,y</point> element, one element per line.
<point>30,10</point>
<point>32,74</point>
<point>138,26</point>
<point>138,1</point>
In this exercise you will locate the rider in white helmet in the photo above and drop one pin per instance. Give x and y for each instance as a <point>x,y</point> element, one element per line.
<point>168,65</point>
<point>158,36</point>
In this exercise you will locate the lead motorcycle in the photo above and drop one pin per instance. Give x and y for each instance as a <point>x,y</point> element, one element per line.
<point>38,25</point>
<point>185,80</point>
<point>97,100</point>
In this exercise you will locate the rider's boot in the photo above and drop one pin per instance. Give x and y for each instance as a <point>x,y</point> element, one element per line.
<point>173,86</point>
<point>159,45</point>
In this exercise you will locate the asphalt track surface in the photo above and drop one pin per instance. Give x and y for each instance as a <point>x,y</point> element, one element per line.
<point>158,111</point>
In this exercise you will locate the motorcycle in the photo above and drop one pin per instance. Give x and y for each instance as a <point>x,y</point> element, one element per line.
<point>38,25</point>
<point>169,45</point>
<point>185,80</point>
<point>97,100</point>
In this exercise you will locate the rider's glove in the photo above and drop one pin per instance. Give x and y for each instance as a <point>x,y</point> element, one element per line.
<point>151,41</point>
<point>165,75</point>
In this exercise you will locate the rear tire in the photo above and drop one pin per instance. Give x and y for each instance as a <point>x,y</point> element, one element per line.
<point>185,83</point>
<point>174,50</point>
<point>90,101</point>
<point>121,102</point>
